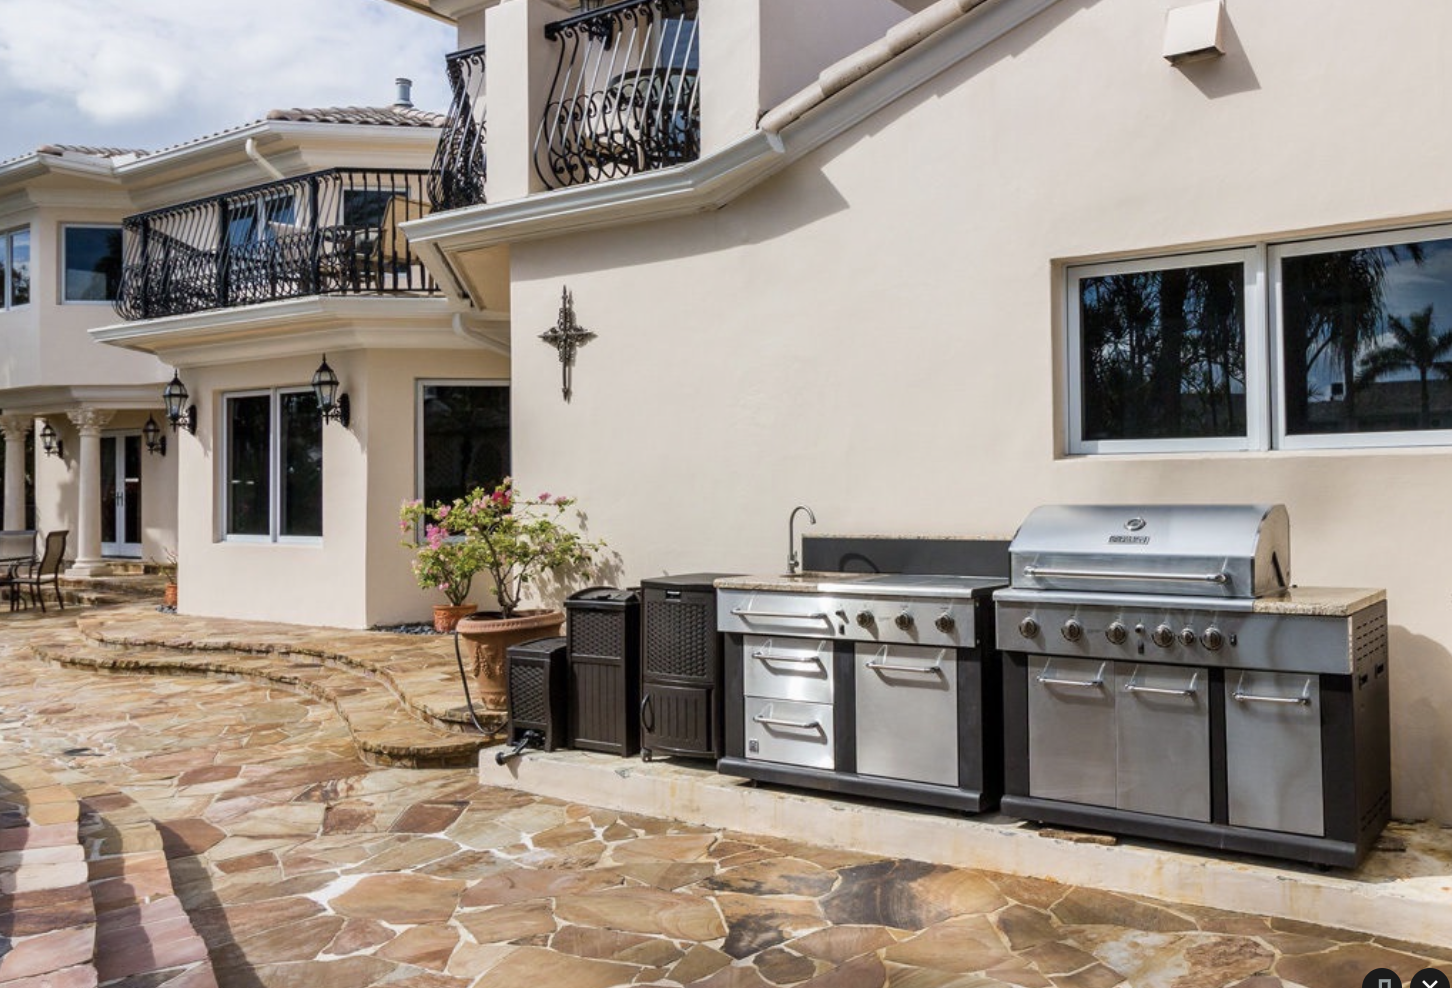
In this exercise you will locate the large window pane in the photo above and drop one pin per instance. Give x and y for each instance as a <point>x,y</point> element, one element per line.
<point>1162,353</point>
<point>1367,336</point>
<point>248,478</point>
<point>465,439</point>
<point>19,287</point>
<point>93,263</point>
<point>301,439</point>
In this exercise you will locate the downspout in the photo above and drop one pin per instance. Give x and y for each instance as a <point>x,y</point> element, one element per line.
<point>251,148</point>
<point>473,334</point>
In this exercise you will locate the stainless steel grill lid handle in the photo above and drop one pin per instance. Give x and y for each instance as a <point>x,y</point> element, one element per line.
<point>1118,575</point>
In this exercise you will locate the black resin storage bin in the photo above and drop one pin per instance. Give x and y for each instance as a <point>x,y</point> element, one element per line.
<point>681,705</point>
<point>538,684</point>
<point>603,627</point>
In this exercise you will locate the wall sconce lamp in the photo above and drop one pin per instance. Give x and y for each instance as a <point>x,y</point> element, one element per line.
<point>334,406</point>
<point>567,336</point>
<point>52,445</point>
<point>155,441</point>
<point>178,412</point>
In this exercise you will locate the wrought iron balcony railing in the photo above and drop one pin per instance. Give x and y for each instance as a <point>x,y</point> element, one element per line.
<point>456,179</point>
<point>326,233</point>
<point>624,97</point>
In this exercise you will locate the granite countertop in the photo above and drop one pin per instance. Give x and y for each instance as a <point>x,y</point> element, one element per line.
<point>805,582</point>
<point>1320,601</point>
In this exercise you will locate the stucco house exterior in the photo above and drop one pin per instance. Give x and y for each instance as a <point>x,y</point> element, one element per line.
<point>926,266</point>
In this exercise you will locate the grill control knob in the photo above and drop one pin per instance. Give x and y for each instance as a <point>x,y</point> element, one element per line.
<point>1212,638</point>
<point>1187,637</point>
<point>865,619</point>
<point>1116,633</point>
<point>904,620</point>
<point>944,622</point>
<point>1163,636</point>
<point>1072,630</point>
<point>1028,627</point>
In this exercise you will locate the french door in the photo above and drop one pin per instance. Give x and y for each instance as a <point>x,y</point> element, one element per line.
<point>121,495</point>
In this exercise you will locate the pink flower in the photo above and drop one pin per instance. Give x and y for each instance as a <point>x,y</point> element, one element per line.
<point>545,497</point>
<point>443,511</point>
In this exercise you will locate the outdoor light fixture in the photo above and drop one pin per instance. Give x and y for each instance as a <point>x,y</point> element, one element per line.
<point>151,432</point>
<point>48,441</point>
<point>178,412</point>
<point>333,405</point>
<point>567,336</point>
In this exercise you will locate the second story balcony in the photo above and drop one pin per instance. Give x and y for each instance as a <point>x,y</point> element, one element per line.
<point>332,232</point>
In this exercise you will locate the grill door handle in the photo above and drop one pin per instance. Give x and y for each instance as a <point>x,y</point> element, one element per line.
<point>1084,684</point>
<point>1191,690</point>
<point>744,612</point>
<point>1106,574</point>
<point>767,655</point>
<point>799,725</point>
<point>878,665</point>
<point>1241,697</point>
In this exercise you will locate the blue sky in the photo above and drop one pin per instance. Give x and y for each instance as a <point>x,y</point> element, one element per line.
<point>150,73</point>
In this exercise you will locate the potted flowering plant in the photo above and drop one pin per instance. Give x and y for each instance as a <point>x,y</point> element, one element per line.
<point>441,562</point>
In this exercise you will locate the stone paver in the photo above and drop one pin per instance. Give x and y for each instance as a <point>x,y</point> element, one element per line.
<point>298,864</point>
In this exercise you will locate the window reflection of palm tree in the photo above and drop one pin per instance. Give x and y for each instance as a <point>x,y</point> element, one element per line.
<point>1414,345</point>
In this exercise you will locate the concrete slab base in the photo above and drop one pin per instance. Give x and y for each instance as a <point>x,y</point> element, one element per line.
<point>1404,894</point>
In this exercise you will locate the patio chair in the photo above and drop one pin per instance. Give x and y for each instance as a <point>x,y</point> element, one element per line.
<point>47,569</point>
<point>17,549</point>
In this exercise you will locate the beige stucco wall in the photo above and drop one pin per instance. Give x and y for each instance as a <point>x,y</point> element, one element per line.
<point>876,331</point>
<point>357,575</point>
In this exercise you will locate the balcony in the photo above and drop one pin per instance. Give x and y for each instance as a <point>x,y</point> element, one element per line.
<point>624,97</point>
<point>456,179</point>
<point>326,233</point>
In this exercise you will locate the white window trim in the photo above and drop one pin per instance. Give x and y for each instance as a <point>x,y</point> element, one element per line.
<point>5,251</point>
<point>1256,355</point>
<point>274,473</point>
<point>61,293</point>
<point>418,416</point>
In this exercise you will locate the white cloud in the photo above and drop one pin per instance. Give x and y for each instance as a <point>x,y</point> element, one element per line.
<point>149,73</point>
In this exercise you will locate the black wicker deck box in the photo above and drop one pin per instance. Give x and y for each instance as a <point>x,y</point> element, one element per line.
<point>681,704</point>
<point>603,628</point>
<point>538,686</point>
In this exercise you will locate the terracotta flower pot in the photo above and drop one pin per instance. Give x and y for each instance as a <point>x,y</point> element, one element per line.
<point>168,595</point>
<point>448,615</point>
<point>489,636</point>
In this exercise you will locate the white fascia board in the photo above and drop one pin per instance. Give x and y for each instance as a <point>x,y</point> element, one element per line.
<point>291,327</point>
<point>712,182</point>
<point>52,400</point>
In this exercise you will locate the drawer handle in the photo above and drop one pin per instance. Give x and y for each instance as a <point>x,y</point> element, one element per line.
<point>936,669</point>
<point>748,614</point>
<point>1303,700</point>
<point>1133,687</point>
<point>800,725</point>
<point>1097,683</point>
<point>767,655</point>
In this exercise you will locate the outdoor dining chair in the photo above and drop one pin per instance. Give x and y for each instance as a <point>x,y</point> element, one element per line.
<point>48,569</point>
<point>17,549</point>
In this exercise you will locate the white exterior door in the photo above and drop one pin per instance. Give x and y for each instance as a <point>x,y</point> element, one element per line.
<point>121,495</point>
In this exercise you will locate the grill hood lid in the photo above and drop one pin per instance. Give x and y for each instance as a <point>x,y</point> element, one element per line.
<point>1212,550</point>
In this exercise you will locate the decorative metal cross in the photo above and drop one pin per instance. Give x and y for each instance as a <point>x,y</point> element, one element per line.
<point>567,336</point>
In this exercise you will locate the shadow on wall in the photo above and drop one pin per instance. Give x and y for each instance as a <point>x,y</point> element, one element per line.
<point>1228,74</point>
<point>1421,682</point>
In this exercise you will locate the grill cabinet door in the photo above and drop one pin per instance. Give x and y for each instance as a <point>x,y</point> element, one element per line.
<point>678,719</point>
<point>1163,725</point>
<point>1273,751</point>
<point>1071,730</point>
<point>907,713</point>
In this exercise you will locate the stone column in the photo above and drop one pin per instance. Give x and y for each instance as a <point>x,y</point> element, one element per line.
<point>90,422</point>
<point>15,427</point>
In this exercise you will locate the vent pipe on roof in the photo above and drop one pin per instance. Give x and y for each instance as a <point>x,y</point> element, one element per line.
<point>405,94</point>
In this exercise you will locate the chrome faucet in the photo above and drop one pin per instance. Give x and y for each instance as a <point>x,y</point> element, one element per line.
<point>793,562</point>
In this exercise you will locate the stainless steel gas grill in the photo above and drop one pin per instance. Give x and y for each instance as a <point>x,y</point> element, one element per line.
<point>877,685</point>
<point>1163,679</point>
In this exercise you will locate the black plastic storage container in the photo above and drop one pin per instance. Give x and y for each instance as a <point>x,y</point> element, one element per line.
<point>681,705</point>
<point>538,691</point>
<point>603,627</point>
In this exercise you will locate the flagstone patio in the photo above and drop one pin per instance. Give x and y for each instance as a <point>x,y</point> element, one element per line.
<point>243,818</point>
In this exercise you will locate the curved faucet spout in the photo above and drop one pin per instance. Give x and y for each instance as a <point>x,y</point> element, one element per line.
<point>793,562</point>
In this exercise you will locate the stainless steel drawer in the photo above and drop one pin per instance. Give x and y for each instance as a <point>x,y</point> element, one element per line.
<point>1273,751</point>
<point>789,733</point>
<point>788,668</point>
<point>907,712</point>
<point>748,612</point>
<point>1072,730</point>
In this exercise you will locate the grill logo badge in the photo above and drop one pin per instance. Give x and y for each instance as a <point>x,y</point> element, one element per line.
<point>1134,525</point>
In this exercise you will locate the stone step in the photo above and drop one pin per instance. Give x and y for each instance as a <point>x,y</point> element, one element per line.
<point>46,909</point>
<point>385,725</point>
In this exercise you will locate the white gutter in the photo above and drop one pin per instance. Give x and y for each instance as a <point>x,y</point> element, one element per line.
<point>251,148</point>
<point>475,334</point>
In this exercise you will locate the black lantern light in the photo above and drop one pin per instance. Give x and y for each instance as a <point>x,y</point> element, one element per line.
<point>52,445</point>
<point>331,403</point>
<point>151,432</point>
<point>178,412</point>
